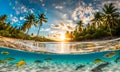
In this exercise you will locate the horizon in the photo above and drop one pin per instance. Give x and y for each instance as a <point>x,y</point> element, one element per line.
<point>61,15</point>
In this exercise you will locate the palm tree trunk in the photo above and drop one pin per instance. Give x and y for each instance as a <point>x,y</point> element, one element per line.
<point>38,31</point>
<point>110,30</point>
<point>26,34</point>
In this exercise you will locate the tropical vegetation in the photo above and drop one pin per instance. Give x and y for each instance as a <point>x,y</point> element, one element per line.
<point>7,30</point>
<point>105,25</point>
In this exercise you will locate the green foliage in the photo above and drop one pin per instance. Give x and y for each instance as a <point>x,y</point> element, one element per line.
<point>104,24</point>
<point>7,30</point>
<point>4,33</point>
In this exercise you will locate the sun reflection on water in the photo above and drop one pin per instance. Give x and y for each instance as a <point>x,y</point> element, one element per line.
<point>62,47</point>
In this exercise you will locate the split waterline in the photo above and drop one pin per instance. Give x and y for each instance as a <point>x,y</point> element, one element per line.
<point>60,56</point>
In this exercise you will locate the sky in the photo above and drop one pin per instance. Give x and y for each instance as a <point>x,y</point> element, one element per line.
<point>62,15</point>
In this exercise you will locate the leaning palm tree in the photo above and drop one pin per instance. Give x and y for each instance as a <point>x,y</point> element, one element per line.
<point>80,25</point>
<point>110,16</point>
<point>24,27</point>
<point>30,21</point>
<point>41,19</point>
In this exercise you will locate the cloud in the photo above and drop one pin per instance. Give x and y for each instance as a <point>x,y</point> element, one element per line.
<point>41,1</point>
<point>55,26</point>
<point>58,7</point>
<point>64,27</point>
<point>14,19</point>
<point>24,9</point>
<point>22,18</point>
<point>21,8</point>
<point>11,15</point>
<point>84,13</point>
<point>45,29</point>
<point>62,23</point>
<point>31,10</point>
<point>43,5</point>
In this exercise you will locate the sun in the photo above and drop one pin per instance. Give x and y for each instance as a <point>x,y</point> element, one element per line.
<point>62,36</point>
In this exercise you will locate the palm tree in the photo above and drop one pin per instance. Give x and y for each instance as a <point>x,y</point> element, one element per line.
<point>97,21</point>
<point>110,16</point>
<point>30,21</point>
<point>8,26</point>
<point>3,18</point>
<point>24,27</point>
<point>41,19</point>
<point>80,25</point>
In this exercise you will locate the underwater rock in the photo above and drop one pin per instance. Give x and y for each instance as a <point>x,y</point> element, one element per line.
<point>110,54</point>
<point>79,67</point>
<point>37,61</point>
<point>117,59</point>
<point>5,52</point>
<point>20,63</point>
<point>99,67</point>
<point>97,61</point>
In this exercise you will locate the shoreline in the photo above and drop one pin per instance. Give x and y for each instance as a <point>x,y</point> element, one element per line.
<point>24,46</point>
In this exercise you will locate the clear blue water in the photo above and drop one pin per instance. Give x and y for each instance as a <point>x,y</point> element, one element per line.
<point>74,59</point>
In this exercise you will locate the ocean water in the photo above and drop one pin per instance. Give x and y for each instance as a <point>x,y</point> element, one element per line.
<point>43,62</point>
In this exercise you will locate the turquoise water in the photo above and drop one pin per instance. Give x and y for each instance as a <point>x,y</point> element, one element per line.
<point>56,62</point>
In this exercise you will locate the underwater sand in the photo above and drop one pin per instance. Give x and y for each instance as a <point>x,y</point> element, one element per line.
<point>56,62</point>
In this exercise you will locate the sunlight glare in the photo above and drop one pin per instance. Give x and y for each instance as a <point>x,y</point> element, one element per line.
<point>62,37</point>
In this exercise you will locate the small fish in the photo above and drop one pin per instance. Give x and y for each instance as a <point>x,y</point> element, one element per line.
<point>97,61</point>
<point>79,67</point>
<point>21,63</point>
<point>99,67</point>
<point>3,61</point>
<point>48,59</point>
<point>10,59</point>
<point>5,52</point>
<point>117,59</point>
<point>38,61</point>
<point>110,54</point>
<point>117,47</point>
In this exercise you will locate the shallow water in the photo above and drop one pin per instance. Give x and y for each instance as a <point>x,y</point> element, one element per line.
<point>56,62</point>
<point>71,47</point>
